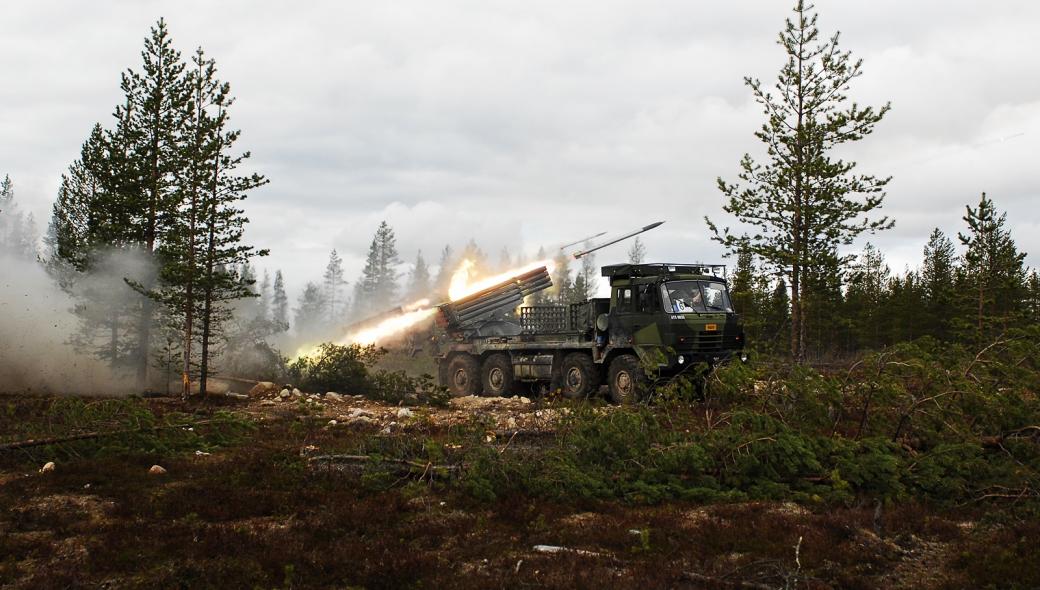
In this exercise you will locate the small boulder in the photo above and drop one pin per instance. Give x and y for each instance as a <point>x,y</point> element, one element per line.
<point>359,413</point>
<point>333,422</point>
<point>156,470</point>
<point>405,413</point>
<point>263,388</point>
<point>296,392</point>
<point>48,467</point>
<point>525,400</point>
<point>333,396</point>
<point>284,394</point>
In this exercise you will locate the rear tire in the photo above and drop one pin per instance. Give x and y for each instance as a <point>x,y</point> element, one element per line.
<point>497,375</point>
<point>463,375</point>
<point>579,378</point>
<point>627,380</point>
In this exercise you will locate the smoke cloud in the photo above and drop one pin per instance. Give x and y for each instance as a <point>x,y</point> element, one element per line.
<point>36,327</point>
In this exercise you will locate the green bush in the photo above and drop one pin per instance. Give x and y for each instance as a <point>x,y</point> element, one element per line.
<point>335,368</point>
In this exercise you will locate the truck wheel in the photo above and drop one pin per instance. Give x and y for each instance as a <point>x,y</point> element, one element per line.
<point>497,375</point>
<point>628,382</point>
<point>579,377</point>
<point>463,375</point>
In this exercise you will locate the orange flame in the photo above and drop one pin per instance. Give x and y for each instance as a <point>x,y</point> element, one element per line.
<point>460,281</point>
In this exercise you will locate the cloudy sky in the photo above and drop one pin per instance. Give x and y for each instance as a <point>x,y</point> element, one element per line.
<point>534,123</point>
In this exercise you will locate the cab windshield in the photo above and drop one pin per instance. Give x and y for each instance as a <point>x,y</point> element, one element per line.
<point>694,297</point>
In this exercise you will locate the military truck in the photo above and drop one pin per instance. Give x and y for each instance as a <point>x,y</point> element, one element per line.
<point>662,317</point>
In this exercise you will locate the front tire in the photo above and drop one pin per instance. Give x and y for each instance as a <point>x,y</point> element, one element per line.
<point>579,377</point>
<point>497,376</point>
<point>628,382</point>
<point>463,375</point>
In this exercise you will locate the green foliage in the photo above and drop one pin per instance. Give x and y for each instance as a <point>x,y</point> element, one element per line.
<point>335,368</point>
<point>346,368</point>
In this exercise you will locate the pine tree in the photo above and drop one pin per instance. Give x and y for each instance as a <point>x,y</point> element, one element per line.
<point>223,225</point>
<point>637,253</point>
<point>803,203</point>
<point>157,99</point>
<point>333,284</point>
<point>419,282</point>
<point>748,295</point>
<point>938,273</point>
<point>993,268</point>
<point>19,235</point>
<point>280,303</point>
<point>1033,298</point>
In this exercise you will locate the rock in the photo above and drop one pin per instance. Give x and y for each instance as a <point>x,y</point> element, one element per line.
<point>238,396</point>
<point>48,467</point>
<point>360,421</point>
<point>333,396</point>
<point>284,394</point>
<point>511,422</point>
<point>358,413</point>
<point>268,402</point>
<point>297,392</point>
<point>156,470</point>
<point>525,400</point>
<point>263,388</point>
<point>405,413</point>
<point>333,422</point>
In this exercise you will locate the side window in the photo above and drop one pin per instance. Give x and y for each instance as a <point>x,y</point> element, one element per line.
<point>648,299</point>
<point>624,300</point>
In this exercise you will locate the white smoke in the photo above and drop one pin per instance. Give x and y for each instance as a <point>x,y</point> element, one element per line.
<point>36,324</point>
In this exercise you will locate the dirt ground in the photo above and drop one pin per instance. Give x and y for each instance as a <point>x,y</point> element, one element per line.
<point>265,512</point>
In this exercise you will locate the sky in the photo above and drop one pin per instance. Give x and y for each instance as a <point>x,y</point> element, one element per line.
<point>536,123</point>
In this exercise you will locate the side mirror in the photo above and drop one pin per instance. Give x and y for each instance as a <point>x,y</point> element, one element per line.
<point>602,322</point>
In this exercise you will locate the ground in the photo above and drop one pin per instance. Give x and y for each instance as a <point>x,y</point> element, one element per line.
<point>276,496</point>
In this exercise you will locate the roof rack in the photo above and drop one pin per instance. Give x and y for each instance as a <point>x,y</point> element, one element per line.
<point>656,268</point>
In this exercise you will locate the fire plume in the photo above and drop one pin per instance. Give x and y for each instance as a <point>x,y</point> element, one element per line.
<point>463,285</point>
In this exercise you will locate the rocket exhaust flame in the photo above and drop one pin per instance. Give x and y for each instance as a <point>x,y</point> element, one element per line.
<point>460,281</point>
<point>418,311</point>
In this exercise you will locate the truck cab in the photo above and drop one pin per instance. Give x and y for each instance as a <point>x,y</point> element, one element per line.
<point>671,315</point>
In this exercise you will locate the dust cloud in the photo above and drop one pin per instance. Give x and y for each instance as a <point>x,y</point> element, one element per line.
<point>36,326</point>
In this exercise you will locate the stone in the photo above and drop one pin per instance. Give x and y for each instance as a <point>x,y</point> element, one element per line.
<point>333,396</point>
<point>268,402</point>
<point>333,422</point>
<point>358,413</point>
<point>48,467</point>
<point>156,470</point>
<point>525,400</point>
<point>284,394</point>
<point>297,392</point>
<point>263,388</point>
<point>405,413</point>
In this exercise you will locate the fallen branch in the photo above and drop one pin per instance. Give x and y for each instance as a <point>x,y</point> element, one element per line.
<point>40,442</point>
<point>411,465</point>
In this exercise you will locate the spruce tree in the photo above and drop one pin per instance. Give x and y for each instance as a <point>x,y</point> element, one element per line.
<point>333,284</point>
<point>865,299</point>
<point>803,202</point>
<point>445,268</point>
<point>309,315</point>
<point>994,269</point>
<point>419,282</point>
<point>938,273</point>
<point>279,303</point>
<point>378,284</point>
